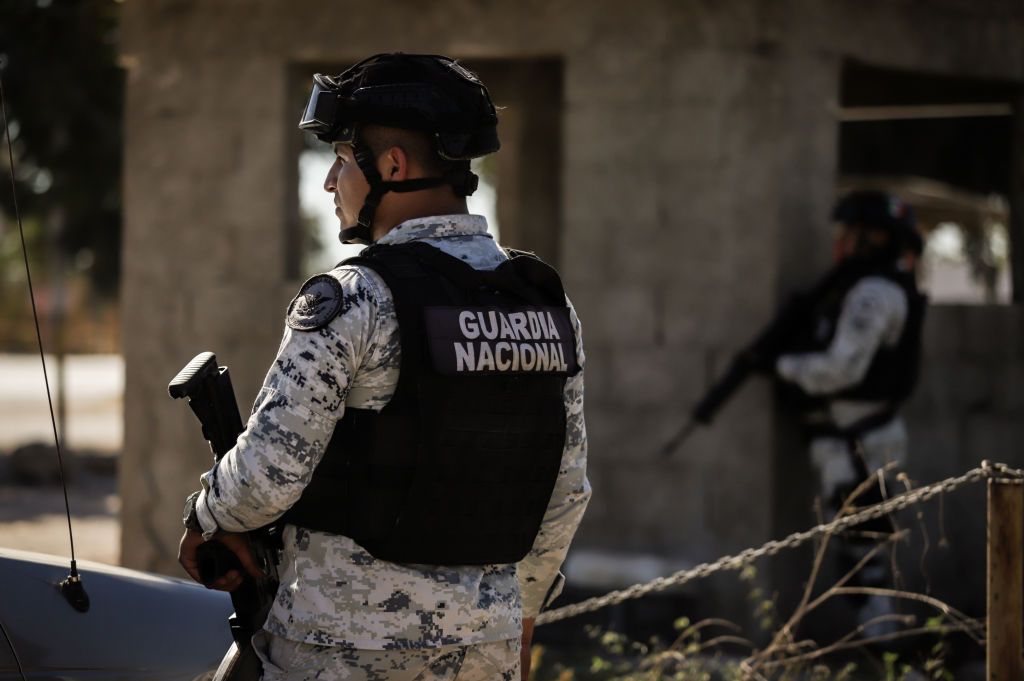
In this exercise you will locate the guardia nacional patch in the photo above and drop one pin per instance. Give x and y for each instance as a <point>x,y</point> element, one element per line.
<point>317,303</point>
<point>520,339</point>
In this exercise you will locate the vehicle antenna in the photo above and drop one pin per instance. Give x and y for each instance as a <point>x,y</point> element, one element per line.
<point>71,588</point>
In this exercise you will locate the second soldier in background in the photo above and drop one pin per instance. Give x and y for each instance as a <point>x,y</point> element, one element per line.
<point>855,365</point>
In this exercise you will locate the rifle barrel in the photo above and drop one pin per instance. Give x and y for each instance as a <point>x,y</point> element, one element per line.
<point>677,440</point>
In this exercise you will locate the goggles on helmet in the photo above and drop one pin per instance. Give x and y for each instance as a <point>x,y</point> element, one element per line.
<point>322,108</point>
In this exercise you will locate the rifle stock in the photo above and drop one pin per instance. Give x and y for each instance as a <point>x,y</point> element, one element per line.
<point>210,395</point>
<point>212,398</point>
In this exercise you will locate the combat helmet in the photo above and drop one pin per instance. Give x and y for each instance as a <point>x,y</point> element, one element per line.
<point>880,210</point>
<point>428,93</point>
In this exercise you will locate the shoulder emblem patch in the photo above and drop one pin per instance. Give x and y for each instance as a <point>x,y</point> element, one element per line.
<point>318,302</point>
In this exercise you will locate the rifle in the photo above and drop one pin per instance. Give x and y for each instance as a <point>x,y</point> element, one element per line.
<point>780,336</point>
<point>212,398</point>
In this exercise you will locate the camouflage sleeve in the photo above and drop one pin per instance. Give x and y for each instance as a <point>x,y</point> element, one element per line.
<point>294,416</point>
<point>872,315</point>
<point>538,571</point>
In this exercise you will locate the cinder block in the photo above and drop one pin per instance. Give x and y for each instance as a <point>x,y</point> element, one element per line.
<point>707,76</point>
<point>994,437</point>
<point>1008,388</point>
<point>647,376</point>
<point>695,312</point>
<point>972,385</point>
<point>665,518</point>
<point>627,317</point>
<point>613,135</point>
<point>633,75</point>
<point>933,450</point>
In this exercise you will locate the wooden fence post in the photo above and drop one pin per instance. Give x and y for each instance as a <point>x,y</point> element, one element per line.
<point>1005,577</point>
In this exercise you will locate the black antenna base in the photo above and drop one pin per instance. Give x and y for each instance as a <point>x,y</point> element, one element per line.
<point>73,591</point>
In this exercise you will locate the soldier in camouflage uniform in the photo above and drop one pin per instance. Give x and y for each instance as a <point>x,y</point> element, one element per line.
<point>403,128</point>
<point>860,364</point>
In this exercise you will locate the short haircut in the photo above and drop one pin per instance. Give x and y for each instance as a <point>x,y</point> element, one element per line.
<point>418,146</point>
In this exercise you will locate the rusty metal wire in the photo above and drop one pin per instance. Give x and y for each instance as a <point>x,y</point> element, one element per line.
<point>986,471</point>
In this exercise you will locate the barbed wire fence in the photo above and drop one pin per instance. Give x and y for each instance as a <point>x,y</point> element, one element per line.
<point>986,471</point>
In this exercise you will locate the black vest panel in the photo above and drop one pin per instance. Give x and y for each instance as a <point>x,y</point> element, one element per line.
<point>459,466</point>
<point>893,372</point>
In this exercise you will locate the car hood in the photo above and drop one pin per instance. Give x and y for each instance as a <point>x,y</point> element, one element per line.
<point>140,626</point>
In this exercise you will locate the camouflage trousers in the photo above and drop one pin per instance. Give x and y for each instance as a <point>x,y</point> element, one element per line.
<point>286,660</point>
<point>836,461</point>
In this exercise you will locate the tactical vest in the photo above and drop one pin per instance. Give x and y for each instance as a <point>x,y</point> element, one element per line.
<point>459,466</point>
<point>893,372</point>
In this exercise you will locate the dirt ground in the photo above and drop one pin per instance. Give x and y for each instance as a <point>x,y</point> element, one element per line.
<point>32,515</point>
<point>32,518</point>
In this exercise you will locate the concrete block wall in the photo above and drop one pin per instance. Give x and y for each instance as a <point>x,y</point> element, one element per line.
<point>967,409</point>
<point>698,157</point>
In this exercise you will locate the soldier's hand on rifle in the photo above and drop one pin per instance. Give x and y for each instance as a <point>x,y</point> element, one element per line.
<point>236,543</point>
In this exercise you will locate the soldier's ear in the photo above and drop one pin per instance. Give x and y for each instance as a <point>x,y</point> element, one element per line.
<point>393,164</point>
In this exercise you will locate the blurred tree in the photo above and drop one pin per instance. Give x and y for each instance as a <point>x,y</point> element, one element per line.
<point>64,94</point>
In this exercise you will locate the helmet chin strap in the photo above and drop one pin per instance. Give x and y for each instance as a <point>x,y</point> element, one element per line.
<point>356,234</point>
<point>462,180</point>
<point>362,231</point>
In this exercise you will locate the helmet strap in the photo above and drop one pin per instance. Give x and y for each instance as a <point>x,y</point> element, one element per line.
<point>461,178</point>
<point>357,234</point>
<point>362,231</point>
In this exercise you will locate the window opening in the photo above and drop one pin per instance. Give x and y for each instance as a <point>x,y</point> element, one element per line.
<point>943,145</point>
